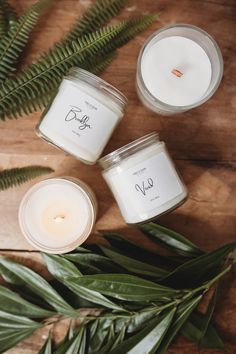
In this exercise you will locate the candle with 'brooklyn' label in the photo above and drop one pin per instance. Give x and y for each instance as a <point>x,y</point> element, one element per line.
<point>82,116</point>
<point>143,179</point>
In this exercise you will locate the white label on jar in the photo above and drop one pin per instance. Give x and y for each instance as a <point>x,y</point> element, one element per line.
<point>79,117</point>
<point>146,186</point>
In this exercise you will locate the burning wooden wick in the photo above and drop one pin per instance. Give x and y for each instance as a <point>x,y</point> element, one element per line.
<point>177,73</point>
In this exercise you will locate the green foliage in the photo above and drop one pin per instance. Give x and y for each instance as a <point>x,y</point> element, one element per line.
<point>49,71</point>
<point>33,88</point>
<point>14,41</point>
<point>126,313</point>
<point>7,17</point>
<point>16,176</point>
<point>95,17</point>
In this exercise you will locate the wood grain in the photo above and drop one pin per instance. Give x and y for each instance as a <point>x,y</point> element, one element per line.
<point>202,142</point>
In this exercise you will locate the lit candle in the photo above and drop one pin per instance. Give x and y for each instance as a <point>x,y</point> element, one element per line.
<point>179,68</point>
<point>58,214</point>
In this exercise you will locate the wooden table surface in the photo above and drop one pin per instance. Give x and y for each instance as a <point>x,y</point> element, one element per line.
<point>202,142</point>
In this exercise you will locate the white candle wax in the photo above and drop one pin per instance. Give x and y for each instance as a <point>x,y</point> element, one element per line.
<point>56,215</point>
<point>184,55</point>
<point>179,67</point>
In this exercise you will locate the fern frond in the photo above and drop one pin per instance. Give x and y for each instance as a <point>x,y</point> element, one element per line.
<point>132,28</point>
<point>22,94</point>
<point>95,17</point>
<point>16,176</point>
<point>13,43</point>
<point>3,25</point>
<point>99,64</point>
<point>7,16</point>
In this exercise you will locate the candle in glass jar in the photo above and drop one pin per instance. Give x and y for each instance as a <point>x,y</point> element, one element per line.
<point>83,115</point>
<point>143,179</point>
<point>179,68</point>
<point>58,214</point>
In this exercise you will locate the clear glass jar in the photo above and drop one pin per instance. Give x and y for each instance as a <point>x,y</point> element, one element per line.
<point>58,214</point>
<point>83,115</point>
<point>143,179</point>
<point>179,68</point>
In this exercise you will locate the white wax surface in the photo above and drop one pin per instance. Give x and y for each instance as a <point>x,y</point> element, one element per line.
<point>57,214</point>
<point>182,54</point>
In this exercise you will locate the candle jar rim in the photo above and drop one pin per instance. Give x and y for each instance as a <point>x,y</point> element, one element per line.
<point>127,150</point>
<point>150,96</point>
<point>87,193</point>
<point>91,79</point>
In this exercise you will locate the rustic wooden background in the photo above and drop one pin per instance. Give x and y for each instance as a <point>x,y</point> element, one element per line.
<point>201,141</point>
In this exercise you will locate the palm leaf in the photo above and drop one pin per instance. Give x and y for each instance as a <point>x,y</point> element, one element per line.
<point>16,176</point>
<point>48,72</point>
<point>12,44</point>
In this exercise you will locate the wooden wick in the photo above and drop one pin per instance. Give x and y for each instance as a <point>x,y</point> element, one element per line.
<point>177,73</point>
<point>59,218</point>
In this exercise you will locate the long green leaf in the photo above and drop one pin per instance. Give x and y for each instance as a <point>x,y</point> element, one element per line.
<point>10,321</point>
<point>92,262</point>
<point>172,239</point>
<point>99,333</point>
<point>73,345</point>
<point>133,265</point>
<point>113,342</point>
<point>12,44</point>
<point>192,330</point>
<point>38,285</point>
<point>16,305</point>
<point>200,269</point>
<point>126,287</point>
<point>208,316</point>
<point>67,273</point>
<point>47,347</point>
<point>147,340</point>
<point>9,338</point>
<point>181,316</point>
<point>137,251</point>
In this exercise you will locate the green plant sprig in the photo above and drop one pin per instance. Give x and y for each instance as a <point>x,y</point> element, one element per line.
<point>122,305</point>
<point>14,41</point>
<point>16,176</point>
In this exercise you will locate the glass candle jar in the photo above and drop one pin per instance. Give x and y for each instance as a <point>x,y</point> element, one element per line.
<point>143,179</point>
<point>179,68</point>
<point>83,115</point>
<point>57,214</point>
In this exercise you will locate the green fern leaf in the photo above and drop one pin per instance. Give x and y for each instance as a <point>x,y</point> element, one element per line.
<point>16,176</point>
<point>12,44</point>
<point>95,17</point>
<point>99,64</point>
<point>7,17</point>
<point>132,28</point>
<point>23,94</point>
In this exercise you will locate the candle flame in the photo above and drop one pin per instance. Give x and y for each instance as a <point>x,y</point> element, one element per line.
<point>177,73</point>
